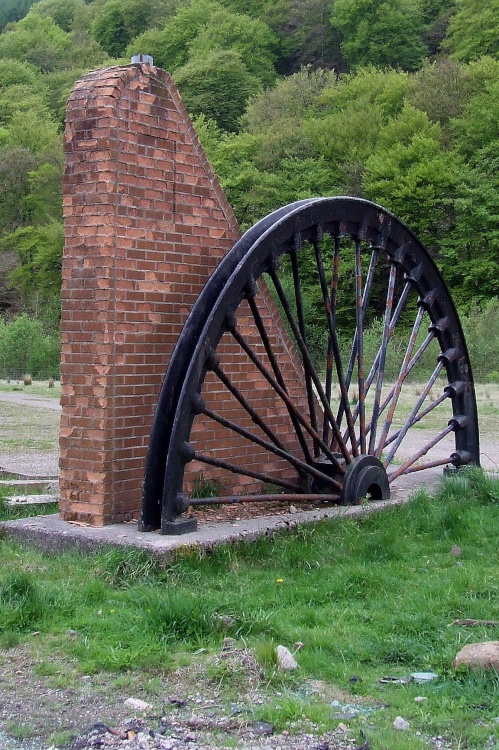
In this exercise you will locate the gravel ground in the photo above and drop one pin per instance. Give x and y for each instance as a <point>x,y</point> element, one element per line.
<point>188,709</point>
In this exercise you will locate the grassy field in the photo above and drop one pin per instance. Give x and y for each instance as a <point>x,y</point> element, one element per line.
<point>369,598</point>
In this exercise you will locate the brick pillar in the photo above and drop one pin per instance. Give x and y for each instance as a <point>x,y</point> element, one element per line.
<point>146,222</point>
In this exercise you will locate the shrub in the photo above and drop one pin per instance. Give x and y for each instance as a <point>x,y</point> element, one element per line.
<point>25,348</point>
<point>481,331</point>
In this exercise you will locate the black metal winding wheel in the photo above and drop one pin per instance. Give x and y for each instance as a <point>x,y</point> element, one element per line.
<point>366,310</point>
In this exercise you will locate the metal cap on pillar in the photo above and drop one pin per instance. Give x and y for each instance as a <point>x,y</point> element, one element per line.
<point>147,59</point>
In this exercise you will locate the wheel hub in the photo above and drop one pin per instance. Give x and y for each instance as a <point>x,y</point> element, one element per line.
<point>365,476</point>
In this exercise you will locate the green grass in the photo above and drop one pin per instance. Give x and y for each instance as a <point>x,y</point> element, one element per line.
<point>369,597</point>
<point>37,388</point>
<point>11,512</point>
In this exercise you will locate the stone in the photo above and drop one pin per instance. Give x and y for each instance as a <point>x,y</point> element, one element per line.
<point>402,724</point>
<point>285,658</point>
<point>137,704</point>
<point>479,656</point>
<point>262,728</point>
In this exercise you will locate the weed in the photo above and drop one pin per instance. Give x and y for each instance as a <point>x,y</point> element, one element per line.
<point>291,709</point>
<point>62,738</point>
<point>20,730</point>
<point>21,604</point>
<point>206,486</point>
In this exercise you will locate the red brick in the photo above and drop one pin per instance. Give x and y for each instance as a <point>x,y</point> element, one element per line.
<point>138,252</point>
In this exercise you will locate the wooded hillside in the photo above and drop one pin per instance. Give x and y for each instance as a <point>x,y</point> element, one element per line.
<point>394,101</point>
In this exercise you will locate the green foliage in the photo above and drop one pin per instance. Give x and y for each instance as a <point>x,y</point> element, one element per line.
<point>21,605</point>
<point>119,22</point>
<point>170,46</point>
<point>250,38</point>
<point>61,12</point>
<point>440,89</point>
<point>387,34</point>
<point>306,34</point>
<point>40,256</point>
<point>412,175</point>
<point>16,165</point>
<point>18,73</point>
<point>24,347</point>
<point>13,10</point>
<point>474,30</point>
<point>483,347</point>
<point>38,41</point>
<point>217,85</point>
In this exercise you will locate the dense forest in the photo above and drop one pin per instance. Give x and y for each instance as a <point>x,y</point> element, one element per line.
<point>394,101</point>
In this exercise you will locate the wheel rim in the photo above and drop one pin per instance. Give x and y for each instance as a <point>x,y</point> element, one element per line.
<point>361,423</point>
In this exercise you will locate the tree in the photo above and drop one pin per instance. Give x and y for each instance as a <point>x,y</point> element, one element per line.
<point>386,34</point>
<point>218,86</point>
<point>477,127</point>
<point>306,34</point>
<point>119,22</point>
<point>13,10</point>
<point>440,89</point>
<point>474,30</point>
<point>62,12</point>
<point>350,116</point>
<point>35,40</point>
<point>472,248</point>
<point>250,38</point>
<point>40,254</point>
<point>17,73</point>
<point>412,175</point>
<point>170,45</point>
<point>16,164</point>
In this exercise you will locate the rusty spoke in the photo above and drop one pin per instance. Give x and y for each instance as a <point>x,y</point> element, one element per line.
<point>295,246</point>
<point>286,399</point>
<point>306,357</point>
<point>382,357</point>
<point>410,420</point>
<point>301,466</point>
<point>421,452</point>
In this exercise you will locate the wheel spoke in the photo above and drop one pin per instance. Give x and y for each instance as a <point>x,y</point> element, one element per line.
<point>410,419</point>
<point>225,380</point>
<point>394,394</point>
<point>422,467</point>
<point>277,372</point>
<point>333,296</point>
<point>393,322</point>
<point>422,452</point>
<point>265,478</point>
<point>301,466</point>
<point>359,319</point>
<point>422,414</point>
<point>382,357</point>
<point>306,357</point>
<point>296,244</point>
<point>267,498</point>
<point>365,302</point>
<point>354,347</point>
<point>335,347</point>
<point>285,397</point>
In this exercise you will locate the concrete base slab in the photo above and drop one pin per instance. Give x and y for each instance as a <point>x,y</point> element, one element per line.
<point>53,534</point>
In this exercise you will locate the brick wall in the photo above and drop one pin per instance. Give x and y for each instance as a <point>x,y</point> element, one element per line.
<point>146,222</point>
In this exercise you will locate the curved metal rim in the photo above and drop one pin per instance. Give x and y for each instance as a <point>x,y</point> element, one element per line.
<point>248,260</point>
